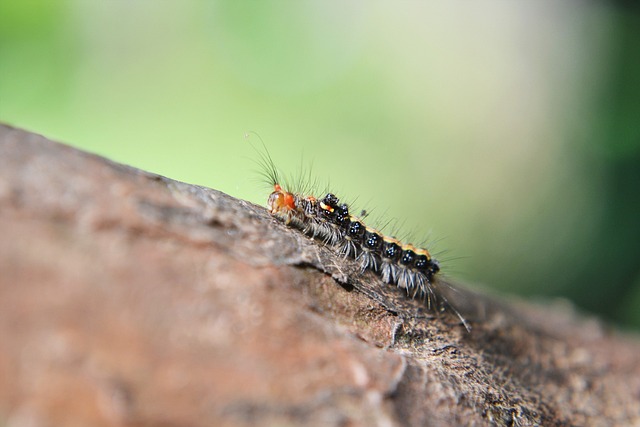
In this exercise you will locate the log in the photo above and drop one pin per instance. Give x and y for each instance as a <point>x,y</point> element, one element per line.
<point>130,299</point>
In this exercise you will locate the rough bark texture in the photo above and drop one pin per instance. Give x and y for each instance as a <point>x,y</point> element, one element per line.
<point>129,299</point>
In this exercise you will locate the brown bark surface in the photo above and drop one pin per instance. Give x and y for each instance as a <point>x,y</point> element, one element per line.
<point>130,299</point>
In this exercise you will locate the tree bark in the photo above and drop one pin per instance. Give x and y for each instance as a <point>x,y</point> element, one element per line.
<point>130,299</point>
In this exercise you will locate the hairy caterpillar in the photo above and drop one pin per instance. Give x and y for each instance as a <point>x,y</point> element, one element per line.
<point>330,221</point>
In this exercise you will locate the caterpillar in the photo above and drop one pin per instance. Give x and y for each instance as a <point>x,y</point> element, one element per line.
<point>330,221</point>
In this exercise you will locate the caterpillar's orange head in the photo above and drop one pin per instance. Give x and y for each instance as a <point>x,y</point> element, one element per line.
<point>280,200</point>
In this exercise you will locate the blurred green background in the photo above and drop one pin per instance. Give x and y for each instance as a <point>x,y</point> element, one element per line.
<point>507,132</point>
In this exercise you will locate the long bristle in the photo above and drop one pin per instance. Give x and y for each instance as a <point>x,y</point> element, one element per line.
<point>267,168</point>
